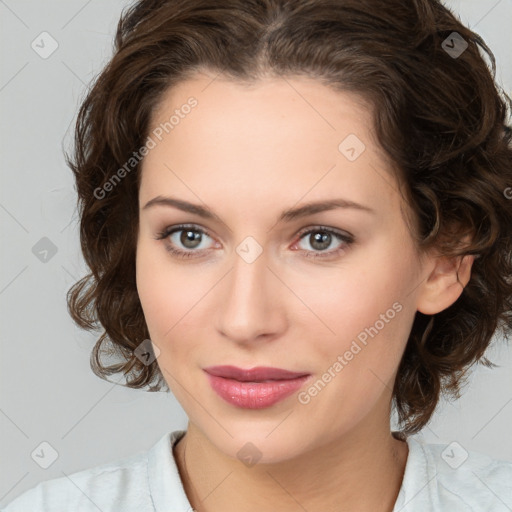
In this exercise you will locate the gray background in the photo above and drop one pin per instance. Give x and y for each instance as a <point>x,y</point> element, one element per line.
<point>48,392</point>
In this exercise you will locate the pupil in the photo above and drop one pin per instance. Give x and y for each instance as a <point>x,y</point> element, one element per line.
<point>189,237</point>
<point>324,240</point>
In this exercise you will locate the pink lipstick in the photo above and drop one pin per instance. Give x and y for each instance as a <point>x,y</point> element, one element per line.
<point>254,388</point>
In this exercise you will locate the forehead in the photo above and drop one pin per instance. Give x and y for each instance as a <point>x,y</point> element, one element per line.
<point>279,136</point>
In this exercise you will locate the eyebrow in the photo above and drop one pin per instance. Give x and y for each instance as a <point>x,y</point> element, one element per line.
<point>286,216</point>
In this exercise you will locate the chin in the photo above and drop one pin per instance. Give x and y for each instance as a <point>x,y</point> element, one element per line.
<point>263,444</point>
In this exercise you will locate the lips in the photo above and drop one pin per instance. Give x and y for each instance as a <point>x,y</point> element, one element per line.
<point>257,374</point>
<point>254,388</point>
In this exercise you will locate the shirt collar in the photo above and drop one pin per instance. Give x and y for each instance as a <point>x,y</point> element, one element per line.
<point>418,480</point>
<point>164,479</point>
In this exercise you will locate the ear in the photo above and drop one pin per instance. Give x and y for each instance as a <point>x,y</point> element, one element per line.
<point>445,282</point>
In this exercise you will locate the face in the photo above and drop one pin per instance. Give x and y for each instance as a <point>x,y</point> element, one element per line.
<point>329,293</point>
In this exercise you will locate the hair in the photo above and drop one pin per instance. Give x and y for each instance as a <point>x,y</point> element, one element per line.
<point>440,118</point>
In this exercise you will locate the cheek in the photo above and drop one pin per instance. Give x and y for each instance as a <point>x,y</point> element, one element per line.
<point>356,367</point>
<point>164,303</point>
<point>366,316</point>
<point>169,295</point>
<point>158,290</point>
<point>346,302</point>
<point>369,339</point>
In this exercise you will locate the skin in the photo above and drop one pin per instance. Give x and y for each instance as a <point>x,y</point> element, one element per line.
<point>248,153</point>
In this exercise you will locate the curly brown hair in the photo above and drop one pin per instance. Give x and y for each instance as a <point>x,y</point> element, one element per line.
<point>439,116</point>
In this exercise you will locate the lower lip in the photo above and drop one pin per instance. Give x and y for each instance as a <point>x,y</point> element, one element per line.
<point>254,395</point>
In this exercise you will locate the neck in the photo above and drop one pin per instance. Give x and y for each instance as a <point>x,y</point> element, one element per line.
<point>362,471</point>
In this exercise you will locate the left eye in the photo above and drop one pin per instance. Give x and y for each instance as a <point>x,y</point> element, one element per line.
<point>321,238</point>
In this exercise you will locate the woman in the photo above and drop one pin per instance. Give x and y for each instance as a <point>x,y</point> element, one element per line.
<point>297,217</point>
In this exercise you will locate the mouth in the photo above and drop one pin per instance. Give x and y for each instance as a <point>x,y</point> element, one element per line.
<point>256,388</point>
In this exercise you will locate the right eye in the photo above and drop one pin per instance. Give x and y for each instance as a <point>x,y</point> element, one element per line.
<point>188,236</point>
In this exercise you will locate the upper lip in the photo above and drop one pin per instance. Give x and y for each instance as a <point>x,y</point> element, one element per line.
<point>253,374</point>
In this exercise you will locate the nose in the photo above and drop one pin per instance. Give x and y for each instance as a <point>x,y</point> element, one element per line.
<point>250,302</point>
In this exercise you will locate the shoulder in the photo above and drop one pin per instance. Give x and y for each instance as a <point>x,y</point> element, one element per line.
<point>449,477</point>
<point>123,482</point>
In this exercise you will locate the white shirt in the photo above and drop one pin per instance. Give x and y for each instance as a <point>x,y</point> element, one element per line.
<point>436,478</point>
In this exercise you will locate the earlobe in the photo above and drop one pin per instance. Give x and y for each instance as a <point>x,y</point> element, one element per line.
<point>445,284</point>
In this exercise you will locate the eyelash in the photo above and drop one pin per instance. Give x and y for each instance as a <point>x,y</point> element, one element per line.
<point>347,239</point>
